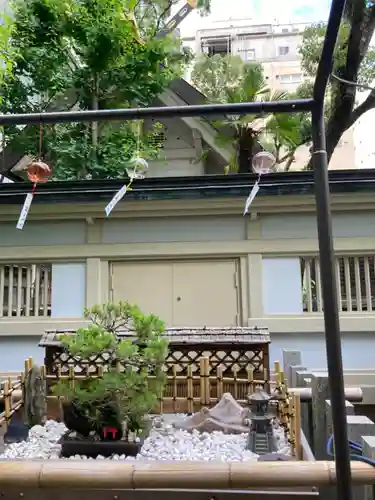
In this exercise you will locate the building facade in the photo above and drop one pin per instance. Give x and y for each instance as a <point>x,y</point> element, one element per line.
<point>181,248</point>
<point>275,46</point>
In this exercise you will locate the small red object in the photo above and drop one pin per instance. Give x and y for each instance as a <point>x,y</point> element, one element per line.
<point>38,171</point>
<point>110,430</point>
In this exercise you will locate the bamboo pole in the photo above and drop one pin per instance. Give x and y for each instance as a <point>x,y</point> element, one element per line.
<point>190,390</point>
<point>220,388</point>
<point>297,435</point>
<point>174,386</point>
<point>352,394</point>
<point>202,381</point>
<point>174,475</point>
<point>207,381</point>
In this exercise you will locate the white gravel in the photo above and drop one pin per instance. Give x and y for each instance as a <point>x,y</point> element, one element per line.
<point>164,443</point>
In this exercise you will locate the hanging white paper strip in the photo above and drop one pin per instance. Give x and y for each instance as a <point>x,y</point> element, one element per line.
<point>25,211</point>
<point>118,197</point>
<point>251,197</point>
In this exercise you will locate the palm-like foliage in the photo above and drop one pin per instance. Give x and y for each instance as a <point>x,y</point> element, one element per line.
<point>246,135</point>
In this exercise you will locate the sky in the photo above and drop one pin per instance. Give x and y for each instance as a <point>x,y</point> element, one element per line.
<point>257,12</point>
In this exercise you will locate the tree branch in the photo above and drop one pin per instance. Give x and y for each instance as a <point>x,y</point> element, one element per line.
<point>367,30</point>
<point>162,15</point>
<point>366,105</point>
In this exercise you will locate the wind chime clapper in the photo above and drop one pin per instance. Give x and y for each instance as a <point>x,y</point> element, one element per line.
<point>37,172</point>
<point>263,163</point>
<point>137,169</point>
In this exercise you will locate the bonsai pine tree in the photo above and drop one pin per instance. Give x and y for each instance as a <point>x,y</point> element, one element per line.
<point>131,381</point>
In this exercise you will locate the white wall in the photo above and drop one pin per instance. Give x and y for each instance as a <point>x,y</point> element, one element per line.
<point>358,349</point>
<point>281,285</point>
<point>68,290</point>
<point>14,351</point>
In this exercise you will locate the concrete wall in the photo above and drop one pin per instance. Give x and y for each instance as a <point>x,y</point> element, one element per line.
<point>267,245</point>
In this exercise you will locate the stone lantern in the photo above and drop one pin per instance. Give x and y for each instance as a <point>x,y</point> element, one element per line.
<point>261,439</point>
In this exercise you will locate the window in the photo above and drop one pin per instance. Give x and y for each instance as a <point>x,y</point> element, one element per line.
<point>214,46</point>
<point>285,30</point>
<point>292,78</point>
<point>248,54</point>
<point>283,51</point>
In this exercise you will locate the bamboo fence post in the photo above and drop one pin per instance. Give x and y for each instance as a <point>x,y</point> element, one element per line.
<point>207,380</point>
<point>219,376</point>
<point>250,379</point>
<point>235,383</point>
<point>22,382</point>
<point>71,375</point>
<point>190,390</point>
<point>297,412</point>
<point>174,387</point>
<point>58,376</point>
<point>202,383</point>
<point>7,403</point>
<point>292,429</point>
<point>267,385</point>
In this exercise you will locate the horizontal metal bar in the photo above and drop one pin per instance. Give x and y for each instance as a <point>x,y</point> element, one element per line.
<point>345,180</point>
<point>296,105</point>
<point>279,184</point>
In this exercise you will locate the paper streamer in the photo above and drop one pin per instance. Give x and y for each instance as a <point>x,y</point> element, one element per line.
<point>25,210</point>
<point>251,197</point>
<point>118,197</point>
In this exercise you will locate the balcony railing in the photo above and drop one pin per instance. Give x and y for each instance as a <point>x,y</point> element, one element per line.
<point>25,290</point>
<point>355,279</point>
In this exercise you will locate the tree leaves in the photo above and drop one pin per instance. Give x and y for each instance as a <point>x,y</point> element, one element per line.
<point>229,79</point>
<point>135,383</point>
<point>84,54</point>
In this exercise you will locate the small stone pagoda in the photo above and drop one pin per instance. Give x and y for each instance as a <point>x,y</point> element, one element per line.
<point>261,439</point>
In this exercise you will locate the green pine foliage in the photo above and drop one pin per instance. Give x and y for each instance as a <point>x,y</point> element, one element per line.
<point>126,383</point>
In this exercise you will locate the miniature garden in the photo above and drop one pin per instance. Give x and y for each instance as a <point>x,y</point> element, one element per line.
<point>115,410</point>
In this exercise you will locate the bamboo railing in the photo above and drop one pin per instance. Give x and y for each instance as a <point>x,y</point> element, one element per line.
<point>119,475</point>
<point>182,394</point>
<point>288,411</point>
<point>12,394</point>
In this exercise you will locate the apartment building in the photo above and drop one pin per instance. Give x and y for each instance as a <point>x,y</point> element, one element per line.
<point>273,45</point>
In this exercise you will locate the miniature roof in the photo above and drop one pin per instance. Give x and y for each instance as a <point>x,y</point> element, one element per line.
<point>188,335</point>
<point>259,396</point>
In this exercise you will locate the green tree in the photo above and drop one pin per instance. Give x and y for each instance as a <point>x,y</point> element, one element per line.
<point>229,79</point>
<point>87,54</point>
<point>124,392</point>
<point>353,61</point>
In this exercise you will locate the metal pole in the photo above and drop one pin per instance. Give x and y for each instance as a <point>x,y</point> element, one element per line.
<point>331,312</point>
<point>238,108</point>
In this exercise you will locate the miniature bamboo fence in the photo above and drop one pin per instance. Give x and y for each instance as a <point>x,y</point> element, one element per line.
<point>9,394</point>
<point>182,394</point>
<point>288,411</point>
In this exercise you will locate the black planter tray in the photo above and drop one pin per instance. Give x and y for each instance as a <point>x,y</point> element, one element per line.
<point>90,448</point>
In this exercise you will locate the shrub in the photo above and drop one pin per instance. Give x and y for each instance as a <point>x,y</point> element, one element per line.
<point>125,391</point>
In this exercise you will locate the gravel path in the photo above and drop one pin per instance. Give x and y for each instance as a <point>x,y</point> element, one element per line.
<point>164,443</point>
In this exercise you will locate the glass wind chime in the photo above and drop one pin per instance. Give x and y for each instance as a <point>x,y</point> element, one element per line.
<point>37,172</point>
<point>137,169</point>
<point>263,163</point>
